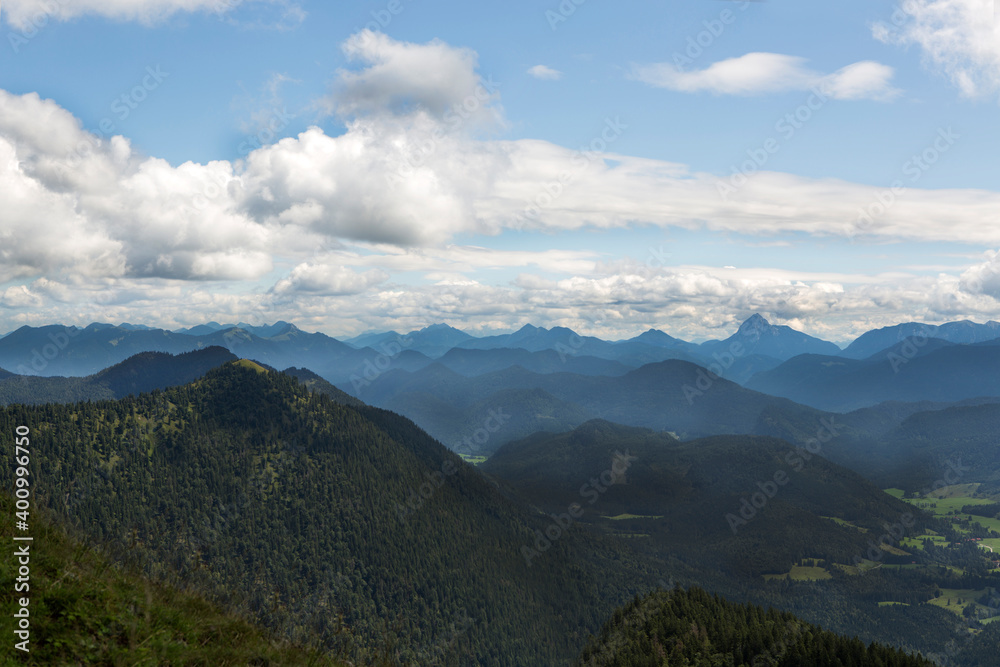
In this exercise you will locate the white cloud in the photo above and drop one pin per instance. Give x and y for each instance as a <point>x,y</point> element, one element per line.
<point>403,79</point>
<point>19,296</point>
<point>328,280</point>
<point>983,278</point>
<point>961,38</point>
<point>95,231</point>
<point>545,72</point>
<point>758,73</point>
<point>401,180</point>
<point>31,14</point>
<point>77,204</point>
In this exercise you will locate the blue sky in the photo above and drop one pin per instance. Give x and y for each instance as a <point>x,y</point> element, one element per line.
<point>862,137</point>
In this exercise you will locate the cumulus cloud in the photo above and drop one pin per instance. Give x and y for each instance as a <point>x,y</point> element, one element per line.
<point>961,38</point>
<point>327,280</point>
<point>403,78</point>
<point>983,278</point>
<point>30,14</point>
<point>544,72</point>
<point>19,296</point>
<point>77,203</point>
<point>96,231</point>
<point>758,73</point>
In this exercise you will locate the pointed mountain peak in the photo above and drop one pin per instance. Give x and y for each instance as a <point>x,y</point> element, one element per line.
<point>754,324</point>
<point>440,327</point>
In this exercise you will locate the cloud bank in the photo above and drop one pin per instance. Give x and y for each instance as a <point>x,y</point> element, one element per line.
<point>376,220</point>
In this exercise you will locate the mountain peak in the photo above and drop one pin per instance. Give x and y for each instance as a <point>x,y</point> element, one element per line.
<point>440,327</point>
<point>755,323</point>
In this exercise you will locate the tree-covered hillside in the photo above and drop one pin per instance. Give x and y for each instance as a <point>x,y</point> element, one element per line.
<point>142,372</point>
<point>284,505</point>
<point>696,629</point>
<point>85,610</point>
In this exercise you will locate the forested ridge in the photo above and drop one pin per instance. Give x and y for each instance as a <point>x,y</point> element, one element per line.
<point>86,610</point>
<point>348,528</point>
<point>695,629</point>
<point>286,506</point>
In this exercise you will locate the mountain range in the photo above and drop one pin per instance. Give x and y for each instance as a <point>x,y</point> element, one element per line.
<point>292,508</point>
<point>292,501</point>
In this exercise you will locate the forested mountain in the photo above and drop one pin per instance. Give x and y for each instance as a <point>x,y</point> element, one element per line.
<point>313,382</point>
<point>927,370</point>
<point>922,446</point>
<point>291,508</point>
<point>692,627</point>
<point>143,372</point>
<point>695,498</point>
<point>283,504</point>
<point>86,610</point>
<point>672,395</point>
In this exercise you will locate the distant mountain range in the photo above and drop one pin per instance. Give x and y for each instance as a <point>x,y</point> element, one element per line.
<point>964,332</point>
<point>755,337</point>
<point>909,362</point>
<point>913,370</point>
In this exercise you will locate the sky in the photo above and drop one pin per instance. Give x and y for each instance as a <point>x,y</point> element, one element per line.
<point>610,167</point>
